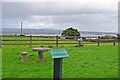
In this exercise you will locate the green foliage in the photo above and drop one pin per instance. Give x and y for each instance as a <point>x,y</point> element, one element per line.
<point>71,32</point>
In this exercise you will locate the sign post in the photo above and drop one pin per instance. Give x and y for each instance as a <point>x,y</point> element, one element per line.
<point>57,55</point>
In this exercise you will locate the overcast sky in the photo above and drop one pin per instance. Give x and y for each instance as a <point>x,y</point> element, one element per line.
<point>84,15</point>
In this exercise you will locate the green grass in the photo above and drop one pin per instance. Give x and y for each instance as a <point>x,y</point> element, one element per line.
<point>0,63</point>
<point>89,61</point>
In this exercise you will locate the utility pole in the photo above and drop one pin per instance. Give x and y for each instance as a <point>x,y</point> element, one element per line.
<point>21,28</point>
<point>21,34</point>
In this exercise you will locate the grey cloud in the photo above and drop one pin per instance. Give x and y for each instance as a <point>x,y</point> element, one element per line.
<point>58,15</point>
<point>25,9</point>
<point>97,22</point>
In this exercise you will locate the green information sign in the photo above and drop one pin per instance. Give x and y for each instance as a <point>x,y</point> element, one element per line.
<point>59,53</point>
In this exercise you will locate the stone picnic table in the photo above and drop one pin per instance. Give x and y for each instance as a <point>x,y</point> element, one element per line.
<point>40,53</point>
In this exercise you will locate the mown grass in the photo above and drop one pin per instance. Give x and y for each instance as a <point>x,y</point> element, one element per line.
<point>88,61</point>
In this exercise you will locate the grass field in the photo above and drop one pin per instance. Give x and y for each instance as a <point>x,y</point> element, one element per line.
<point>88,61</point>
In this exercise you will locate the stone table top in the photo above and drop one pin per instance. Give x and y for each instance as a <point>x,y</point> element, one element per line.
<point>40,49</point>
<point>23,53</point>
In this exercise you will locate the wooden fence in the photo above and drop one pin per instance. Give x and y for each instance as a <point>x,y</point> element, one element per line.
<point>50,40</point>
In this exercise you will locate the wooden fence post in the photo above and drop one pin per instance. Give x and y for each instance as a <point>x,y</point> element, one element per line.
<point>30,40</point>
<point>0,42</point>
<point>98,40</point>
<point>114,41</point>
<point>57,41</point>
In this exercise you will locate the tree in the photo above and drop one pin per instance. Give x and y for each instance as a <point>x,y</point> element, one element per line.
<point>70,32</point>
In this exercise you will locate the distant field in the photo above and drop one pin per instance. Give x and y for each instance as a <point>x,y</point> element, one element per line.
<point>89,61</point>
